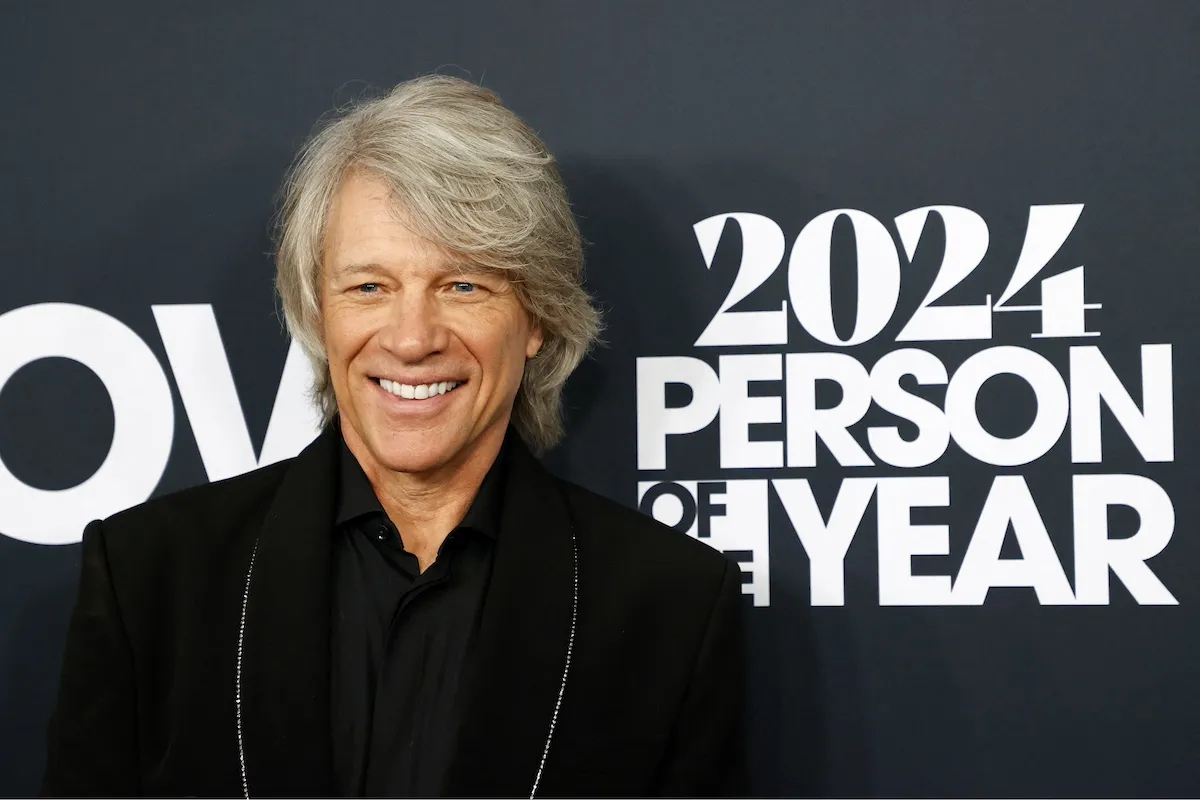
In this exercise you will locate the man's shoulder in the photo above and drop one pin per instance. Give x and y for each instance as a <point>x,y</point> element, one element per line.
<point>646,581</point>
<point>630,534</point>
<point>220,505</point>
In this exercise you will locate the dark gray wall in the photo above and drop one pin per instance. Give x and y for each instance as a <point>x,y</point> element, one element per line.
<point>143,143</point>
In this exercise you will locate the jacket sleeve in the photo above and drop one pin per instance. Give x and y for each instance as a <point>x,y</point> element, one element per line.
<point>706,754</point>
<point>92,738</point>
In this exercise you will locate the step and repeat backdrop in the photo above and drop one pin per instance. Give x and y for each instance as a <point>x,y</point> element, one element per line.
<point>900,316</point>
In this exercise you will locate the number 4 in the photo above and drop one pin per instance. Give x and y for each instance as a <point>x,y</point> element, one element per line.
<point>1062,295</point>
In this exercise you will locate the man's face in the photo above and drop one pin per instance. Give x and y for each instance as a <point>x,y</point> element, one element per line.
<point>399,314</point>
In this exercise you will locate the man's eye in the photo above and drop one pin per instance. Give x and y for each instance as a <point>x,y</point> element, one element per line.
<point>368,288</point>
<point>464,287</point>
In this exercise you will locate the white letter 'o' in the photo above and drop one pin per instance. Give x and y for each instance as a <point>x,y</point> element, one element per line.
<point>143,419</point>
<point>1053,406</point>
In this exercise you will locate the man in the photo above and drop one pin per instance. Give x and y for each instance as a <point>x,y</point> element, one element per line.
<point>412,606</point>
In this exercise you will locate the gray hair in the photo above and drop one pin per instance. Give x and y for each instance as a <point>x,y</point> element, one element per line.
<point>472,178</point>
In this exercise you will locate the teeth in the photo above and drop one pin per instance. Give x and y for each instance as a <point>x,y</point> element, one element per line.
<point>417,392</point>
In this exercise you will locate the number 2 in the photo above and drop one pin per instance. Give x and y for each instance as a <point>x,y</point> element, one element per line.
<point>762,253</point>
<point>966,245</point>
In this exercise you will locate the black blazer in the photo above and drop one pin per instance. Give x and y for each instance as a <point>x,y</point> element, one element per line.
<point>197,659</point>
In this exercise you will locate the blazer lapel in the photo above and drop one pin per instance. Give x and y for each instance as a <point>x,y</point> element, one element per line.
<point>521,650</point>
<point>285,655</point>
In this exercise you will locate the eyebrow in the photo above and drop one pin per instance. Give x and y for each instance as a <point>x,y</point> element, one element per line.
<point>458,266</point>
<point>358,269</point>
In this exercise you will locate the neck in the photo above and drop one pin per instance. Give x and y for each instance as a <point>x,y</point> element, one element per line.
<point>426,506</point>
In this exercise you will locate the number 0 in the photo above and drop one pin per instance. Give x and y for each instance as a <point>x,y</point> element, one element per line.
<point>878,266</point>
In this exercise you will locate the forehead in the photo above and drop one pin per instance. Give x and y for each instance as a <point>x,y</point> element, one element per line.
<point>367,226</point>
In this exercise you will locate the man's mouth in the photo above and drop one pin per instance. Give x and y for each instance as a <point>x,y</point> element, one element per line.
<point>419,391</point>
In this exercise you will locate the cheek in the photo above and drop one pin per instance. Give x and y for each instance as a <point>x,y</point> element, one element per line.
<point>500,349</point>
<point>515,354</point>
<point>346,332</point>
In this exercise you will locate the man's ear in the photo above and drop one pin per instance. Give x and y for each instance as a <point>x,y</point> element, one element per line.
<point>536,340</point>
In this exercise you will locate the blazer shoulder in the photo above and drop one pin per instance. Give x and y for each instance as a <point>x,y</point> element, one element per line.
<point>221,505</point>
<point>627,530</point>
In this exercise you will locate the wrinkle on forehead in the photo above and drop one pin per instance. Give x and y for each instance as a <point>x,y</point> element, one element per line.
<point>380,215</point>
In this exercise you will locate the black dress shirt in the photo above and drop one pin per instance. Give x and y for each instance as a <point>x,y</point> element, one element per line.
<point>401,638</point>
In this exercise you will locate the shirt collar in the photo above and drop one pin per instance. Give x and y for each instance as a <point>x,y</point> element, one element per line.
<point>356,498</point>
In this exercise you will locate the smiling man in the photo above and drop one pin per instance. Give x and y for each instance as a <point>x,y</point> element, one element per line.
<point>412,606</point>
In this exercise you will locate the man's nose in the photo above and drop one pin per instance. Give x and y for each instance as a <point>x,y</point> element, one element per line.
<point>416,329</point>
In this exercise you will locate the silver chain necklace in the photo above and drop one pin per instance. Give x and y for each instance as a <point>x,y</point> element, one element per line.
<point>562,687</point>
<point>238,683</point>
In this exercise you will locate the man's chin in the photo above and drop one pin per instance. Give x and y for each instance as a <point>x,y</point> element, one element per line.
<point>410,459</point>
<point>416,452</point>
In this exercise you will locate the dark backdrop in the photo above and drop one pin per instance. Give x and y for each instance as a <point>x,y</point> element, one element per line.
<point>142,144</point>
